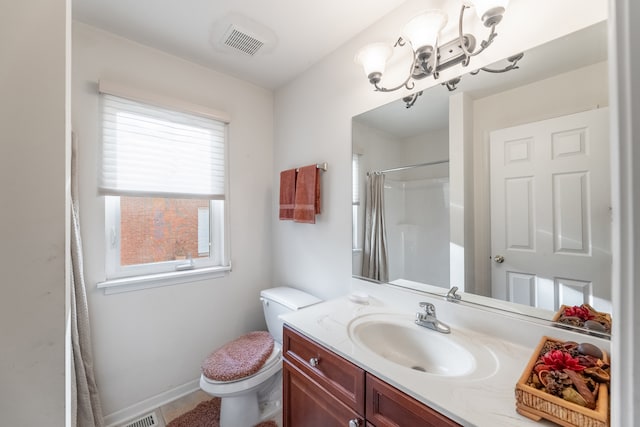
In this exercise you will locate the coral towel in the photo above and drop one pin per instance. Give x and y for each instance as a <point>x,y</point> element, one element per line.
<point>240,358</point>
<point>307,200</point>
<point>287,193</point>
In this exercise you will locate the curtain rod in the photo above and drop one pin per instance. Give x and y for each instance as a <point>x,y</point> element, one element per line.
<point>411,166</point>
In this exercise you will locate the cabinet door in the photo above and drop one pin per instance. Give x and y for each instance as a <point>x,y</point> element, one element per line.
<point>307,404</point>
<point>341,378</point>
<point>387,406</point>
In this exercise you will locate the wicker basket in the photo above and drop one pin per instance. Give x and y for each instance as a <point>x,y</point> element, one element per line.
<point>559,313</point>
<point>537,404</point>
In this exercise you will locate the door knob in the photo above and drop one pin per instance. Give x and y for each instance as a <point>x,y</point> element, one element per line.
<point>314,361</point>
<point>499,259</point>
<point>354,423</point>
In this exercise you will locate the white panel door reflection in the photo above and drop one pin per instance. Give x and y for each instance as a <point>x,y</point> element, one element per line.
<point>550,212</point>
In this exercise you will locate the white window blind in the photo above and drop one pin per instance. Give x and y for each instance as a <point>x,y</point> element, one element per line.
<point>153,151</point>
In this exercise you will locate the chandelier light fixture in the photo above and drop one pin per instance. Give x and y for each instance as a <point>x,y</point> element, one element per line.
<point>422,35</point>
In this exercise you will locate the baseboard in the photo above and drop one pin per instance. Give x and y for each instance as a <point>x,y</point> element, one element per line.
<point>138,409</point>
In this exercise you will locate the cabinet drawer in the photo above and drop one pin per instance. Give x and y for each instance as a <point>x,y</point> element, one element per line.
<point>389,407</point>
<point>338,376</point>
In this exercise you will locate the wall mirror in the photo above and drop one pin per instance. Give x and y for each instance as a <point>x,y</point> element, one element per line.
<point>500,187</point>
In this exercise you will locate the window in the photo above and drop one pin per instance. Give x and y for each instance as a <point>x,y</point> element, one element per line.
<point>164,177</point>
<point>355,220</point>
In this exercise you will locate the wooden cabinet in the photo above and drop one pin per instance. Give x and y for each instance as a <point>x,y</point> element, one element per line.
<point>307,404</point>
<point>387,406</point>
<point>322,389</point>
<point>341,378</point>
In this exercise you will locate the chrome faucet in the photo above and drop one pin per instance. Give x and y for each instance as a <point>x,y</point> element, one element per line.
<point>427,318</point>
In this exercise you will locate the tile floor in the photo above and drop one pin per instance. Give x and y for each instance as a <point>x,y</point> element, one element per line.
<point>174,409</point>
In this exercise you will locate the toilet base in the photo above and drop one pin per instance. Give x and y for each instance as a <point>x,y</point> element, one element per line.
<point>249,409</point>
<point>240,411</point>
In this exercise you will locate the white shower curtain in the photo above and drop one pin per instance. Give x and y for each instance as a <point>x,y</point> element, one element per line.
<point>374,260</point>
<point>86,410</point>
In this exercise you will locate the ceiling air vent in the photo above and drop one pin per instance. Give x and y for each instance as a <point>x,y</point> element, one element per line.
<point>149,420</point>
<point>240,40</point>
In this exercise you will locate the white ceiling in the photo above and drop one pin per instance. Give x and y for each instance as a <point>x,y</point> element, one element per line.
<point>303,32</point>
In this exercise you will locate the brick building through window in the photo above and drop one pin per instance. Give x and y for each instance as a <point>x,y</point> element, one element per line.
<point>156,229</point>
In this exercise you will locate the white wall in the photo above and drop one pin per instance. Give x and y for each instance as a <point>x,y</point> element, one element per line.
<point>150,342</point>
<point>378,148</point>
<point>313,123</point>
<point>427,147</point>
<point>33,217</point>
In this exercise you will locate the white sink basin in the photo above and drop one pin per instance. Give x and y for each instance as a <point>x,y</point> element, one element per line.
<point>397,339</point>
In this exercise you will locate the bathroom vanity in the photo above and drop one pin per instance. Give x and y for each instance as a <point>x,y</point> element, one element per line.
<point>355,364</point>
<point>323,389</point>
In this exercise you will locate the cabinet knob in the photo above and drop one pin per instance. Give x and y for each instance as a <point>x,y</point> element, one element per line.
<point>314,361</point>
<point>355,422</point>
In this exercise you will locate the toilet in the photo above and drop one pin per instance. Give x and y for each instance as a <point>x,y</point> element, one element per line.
<point>241,397</point>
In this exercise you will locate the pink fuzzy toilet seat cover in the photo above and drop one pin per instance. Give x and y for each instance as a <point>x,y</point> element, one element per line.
<point>240,358</point>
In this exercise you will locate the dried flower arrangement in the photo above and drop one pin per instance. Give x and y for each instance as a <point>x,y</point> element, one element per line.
<point>567,383</point>
<point>584,316</point>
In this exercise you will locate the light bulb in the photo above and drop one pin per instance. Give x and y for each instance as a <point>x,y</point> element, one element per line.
<point>423,30</point>
<point>489,11</point>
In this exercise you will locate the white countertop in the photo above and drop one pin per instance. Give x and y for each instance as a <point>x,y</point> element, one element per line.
<point>487,399</point>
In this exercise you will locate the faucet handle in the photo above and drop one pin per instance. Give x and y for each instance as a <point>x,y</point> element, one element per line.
<point>452,296</point>
<point>429,308</point>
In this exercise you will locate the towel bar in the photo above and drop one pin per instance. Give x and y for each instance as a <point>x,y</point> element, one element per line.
<point>322,166</point>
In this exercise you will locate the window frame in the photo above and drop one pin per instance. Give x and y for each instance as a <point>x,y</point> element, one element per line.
<point>114,270</point>
<point>120,278</point>
<point>356,231</point>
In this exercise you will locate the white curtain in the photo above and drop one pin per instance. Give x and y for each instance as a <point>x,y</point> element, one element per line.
<point>374,260</point>
<point>86,410</point>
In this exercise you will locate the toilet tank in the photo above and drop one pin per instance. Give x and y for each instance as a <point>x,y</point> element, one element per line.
<point>280,300</point>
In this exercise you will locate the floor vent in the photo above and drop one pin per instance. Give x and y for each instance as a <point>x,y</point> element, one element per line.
<point>242,41</point>
<point>149,420</point>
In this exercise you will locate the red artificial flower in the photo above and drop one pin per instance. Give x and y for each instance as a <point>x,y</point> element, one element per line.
<point>559,360</point>
<point>578,311</point>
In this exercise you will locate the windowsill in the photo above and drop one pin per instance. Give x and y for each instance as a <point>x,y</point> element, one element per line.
<point>127,284</point>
